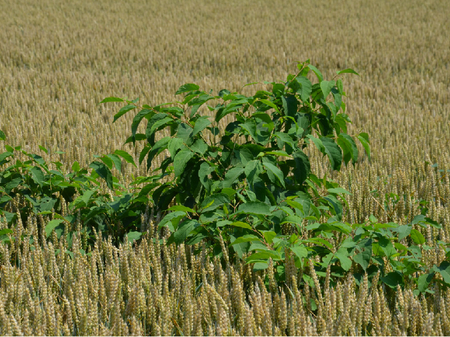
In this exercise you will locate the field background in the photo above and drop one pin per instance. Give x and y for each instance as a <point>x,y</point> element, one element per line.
<point>58,59</point>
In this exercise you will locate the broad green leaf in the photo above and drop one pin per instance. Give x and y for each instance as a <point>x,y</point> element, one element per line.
<point>128,158</point>
<point>104,172</point>
<point>51,225</point>
<point>254,207</point>
<point>338,190</point>
<point>188,87</point>
<point>305,87</point>
<point>300,251</point>
<point>326,87</point>
<point>175,144</point>
<point>393,279</point>
<point>41,147</point>
<point>302,166</point>
<point>123,111</point>
<point>424,281</point>
<point>231,176</point>
<point>214,201</point>
<point>275,171</point>
<point>342,255</point>
<point>2,135</point>
<point>37,175</point>
<point>197,102</point>
<point>260,266</point>
<point>321,241</point>
<point>289,105</point>
<point>116,160</point>
<point>184,229</point>
<point>316,71</point>
<point>269,103</point>
<point>333,152</point>
<point>180,161</point>
<point>156,122</point>
<point>111,99</point>
<point>343,137</point>
<point>363,258</point>
<point>203,172</point>
<point>181,208</point>
<point>347,71</point>
<point>159,146</point>
<point>340,87</point>
<point>317,142</point>
<point>365,143</point>
<point>138,136</point>
<point>284,138</point>
<point>250,127</point>
<point>6,231</point>
<point>200,125</point>
<point>263,116</point>
<point>278,153</point>
<point>269,236</point>
<point>264,255</point>
<point>199,146</point>
<point>241,224</point>
<point>403,231</point>
<point>132,236</point>
<point>184,132</point>
<point>245,238</point>
<point>294,218</point>
<point>252,170</point>
<point>137,120</point>
<point>444,270</point>
<point>257,245</point>
<point>417,237</point>
<point>107,161</point>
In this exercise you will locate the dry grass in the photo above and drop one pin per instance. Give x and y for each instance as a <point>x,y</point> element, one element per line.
<point>151,289</point>
<point>59,59</point>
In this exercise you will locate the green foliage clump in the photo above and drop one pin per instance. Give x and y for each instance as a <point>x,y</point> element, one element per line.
<point>245,190</point>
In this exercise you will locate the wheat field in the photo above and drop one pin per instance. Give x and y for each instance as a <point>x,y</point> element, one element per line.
<point>59,59</point>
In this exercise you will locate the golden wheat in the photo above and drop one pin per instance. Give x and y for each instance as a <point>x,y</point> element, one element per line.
<point>59,60</point>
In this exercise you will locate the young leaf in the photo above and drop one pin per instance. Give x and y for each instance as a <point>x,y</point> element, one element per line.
<point>326,87</point>
<point>347,71</point>
<point>137,120</point>
<point>316,71</point>
<point>364,139</point>
<point>123,111</point>
<point>111,99</point>
<point>417,237</point>
<point>128,158</point>
<point>188,87</point>
<point>51,225</point>
<point>132,236</point>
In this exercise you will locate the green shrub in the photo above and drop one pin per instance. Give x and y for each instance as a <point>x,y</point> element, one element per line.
<point>247,190</point>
